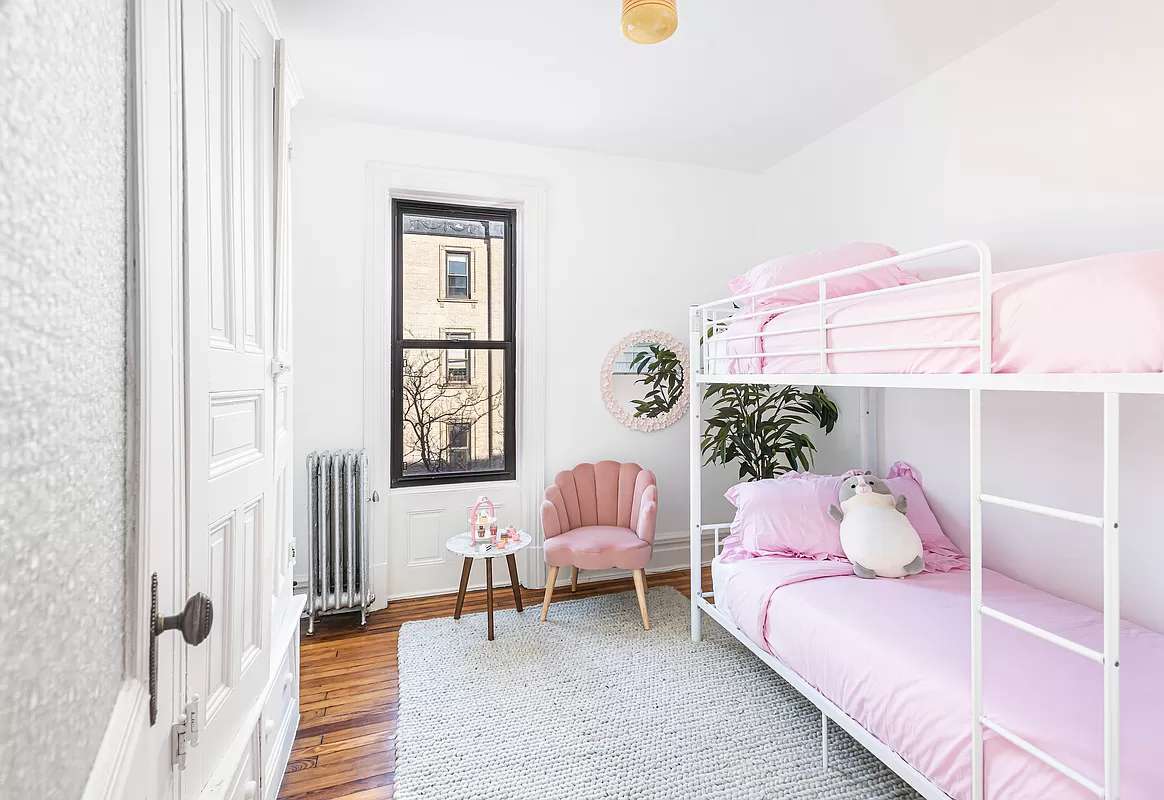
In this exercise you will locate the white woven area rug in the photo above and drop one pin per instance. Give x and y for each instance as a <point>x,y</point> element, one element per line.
<point>589,706</point>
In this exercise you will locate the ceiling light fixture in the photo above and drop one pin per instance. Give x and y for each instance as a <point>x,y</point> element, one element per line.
<point>649,21</point>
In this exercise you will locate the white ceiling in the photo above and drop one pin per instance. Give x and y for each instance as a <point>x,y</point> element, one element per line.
<point>742,84</point>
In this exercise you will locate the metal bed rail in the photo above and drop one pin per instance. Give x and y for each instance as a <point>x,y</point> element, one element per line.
<point>715,317</point>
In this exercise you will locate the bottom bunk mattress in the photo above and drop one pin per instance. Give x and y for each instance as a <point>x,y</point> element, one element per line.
<point>895,656</point>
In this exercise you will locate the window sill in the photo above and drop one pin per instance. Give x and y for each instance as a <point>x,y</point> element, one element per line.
<point>479,487</point>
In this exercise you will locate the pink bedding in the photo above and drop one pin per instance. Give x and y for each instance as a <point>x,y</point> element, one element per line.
<point>895,656</point>
<point>1093,315</point>
<point>789,516</point>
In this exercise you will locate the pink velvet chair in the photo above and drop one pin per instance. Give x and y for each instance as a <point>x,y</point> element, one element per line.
<point>600,516</point>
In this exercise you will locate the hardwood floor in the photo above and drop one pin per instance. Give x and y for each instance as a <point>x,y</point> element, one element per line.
<point>346,743</point>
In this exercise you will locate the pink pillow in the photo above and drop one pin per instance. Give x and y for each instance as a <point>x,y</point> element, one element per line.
<point>789,516</point>
<point>821,262</point>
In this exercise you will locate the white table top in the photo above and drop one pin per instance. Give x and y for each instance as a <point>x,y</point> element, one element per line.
<point>462,545</point>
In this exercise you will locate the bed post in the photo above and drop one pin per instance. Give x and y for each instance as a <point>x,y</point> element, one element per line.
<point>1111,595</point>
<point>986,310</point>
<point>824,739</point>
<point>977,766</point>
<point>696,329</point>
<point>985,367</point>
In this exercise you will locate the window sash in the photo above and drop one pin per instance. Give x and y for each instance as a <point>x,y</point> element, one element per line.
<point>458,360</point>
<point>457,275</point>
<point>506,345</point>
<point>460,442</point>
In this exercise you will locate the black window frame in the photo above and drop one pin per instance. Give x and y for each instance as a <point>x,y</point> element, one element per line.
<point>447,295</point>
<point>507,344</point>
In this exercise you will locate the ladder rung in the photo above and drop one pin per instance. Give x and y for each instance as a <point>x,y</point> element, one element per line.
<point>1046,511</point>
<point>1047,759</point>
<point>1045,635</point>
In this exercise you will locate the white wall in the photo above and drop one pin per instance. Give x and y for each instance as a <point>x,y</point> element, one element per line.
<point>62,388</point>
<point>1046,144</point>
<point>631,244</point>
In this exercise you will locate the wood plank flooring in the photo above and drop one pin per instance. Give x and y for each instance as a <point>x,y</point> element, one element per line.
<point>349,687</point>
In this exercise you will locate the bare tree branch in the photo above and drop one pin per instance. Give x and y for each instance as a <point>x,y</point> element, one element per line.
<point>431,404</point>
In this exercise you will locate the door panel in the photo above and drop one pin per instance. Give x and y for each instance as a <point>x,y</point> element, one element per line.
<point>228,73</point>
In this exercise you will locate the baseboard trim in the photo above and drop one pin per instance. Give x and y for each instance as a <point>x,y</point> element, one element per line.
<point>110,775</point>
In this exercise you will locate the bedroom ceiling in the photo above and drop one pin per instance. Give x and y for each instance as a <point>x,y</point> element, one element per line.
<point>741,85</point>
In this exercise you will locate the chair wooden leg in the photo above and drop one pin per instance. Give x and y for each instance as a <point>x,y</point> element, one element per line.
<point>641,591</point>
<point>574,580</point>
<point>550,581</point>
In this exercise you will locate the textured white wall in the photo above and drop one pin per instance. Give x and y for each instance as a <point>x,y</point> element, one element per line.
<point>631,244</point>
<point>62,387</point>
<point>1046,144</point>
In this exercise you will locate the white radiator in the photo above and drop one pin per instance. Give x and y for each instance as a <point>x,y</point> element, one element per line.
<point>339,576</point>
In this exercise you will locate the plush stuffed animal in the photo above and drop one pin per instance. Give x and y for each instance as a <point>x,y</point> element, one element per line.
<point>875,533</point>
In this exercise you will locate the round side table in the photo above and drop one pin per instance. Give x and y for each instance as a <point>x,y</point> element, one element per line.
<point>462,544</point>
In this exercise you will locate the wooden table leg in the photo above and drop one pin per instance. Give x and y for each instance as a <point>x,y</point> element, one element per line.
<point>489,593</point>
<point>509,559</point>
<point>464,585</point>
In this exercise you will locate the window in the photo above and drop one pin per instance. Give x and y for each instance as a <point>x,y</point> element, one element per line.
<point>456,276</point>
<point>453,365</point>
<point>623,361</point>
<point>457,361</point>
<point>459,438</point>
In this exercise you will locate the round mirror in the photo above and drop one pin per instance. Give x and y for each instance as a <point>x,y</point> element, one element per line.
<point>644,380</point>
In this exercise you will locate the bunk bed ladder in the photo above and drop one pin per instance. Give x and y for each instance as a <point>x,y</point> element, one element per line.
<point>1109,658</point>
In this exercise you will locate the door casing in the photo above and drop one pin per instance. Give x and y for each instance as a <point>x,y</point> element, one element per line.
<point>387,182</point>
<point>134,758</point>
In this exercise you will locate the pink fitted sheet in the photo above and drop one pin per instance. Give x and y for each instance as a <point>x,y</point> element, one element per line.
<point>895,656</point>
<point>1094,315</point>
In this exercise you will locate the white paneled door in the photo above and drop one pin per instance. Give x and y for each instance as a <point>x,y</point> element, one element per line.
<point>232,399</point>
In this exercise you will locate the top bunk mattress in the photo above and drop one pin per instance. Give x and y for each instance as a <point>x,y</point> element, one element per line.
<point>1096,315</point>
<point>895,656</point>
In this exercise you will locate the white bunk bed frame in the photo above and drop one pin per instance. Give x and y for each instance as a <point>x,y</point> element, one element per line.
<point>715,316</point>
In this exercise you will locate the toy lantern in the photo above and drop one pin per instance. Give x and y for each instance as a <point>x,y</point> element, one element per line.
<point>479,521</point>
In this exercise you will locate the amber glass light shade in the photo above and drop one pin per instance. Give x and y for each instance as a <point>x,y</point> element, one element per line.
<point>649,21</point>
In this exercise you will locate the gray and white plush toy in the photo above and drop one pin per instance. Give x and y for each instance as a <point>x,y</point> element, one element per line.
<point>875,533</point>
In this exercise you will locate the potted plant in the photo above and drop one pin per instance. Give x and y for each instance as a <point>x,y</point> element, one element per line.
<point>757,427</point>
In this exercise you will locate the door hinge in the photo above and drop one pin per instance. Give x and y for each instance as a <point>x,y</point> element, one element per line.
<point>292,549</point>
<point>184,734</point>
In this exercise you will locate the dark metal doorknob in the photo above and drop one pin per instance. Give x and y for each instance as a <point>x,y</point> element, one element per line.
<point>194,621</point>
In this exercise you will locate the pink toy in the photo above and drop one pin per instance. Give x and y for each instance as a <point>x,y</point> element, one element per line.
<point>479,521</point>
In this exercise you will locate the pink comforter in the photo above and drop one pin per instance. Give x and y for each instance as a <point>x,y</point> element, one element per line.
<point>1093,315</point>
<point>895,656</point>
